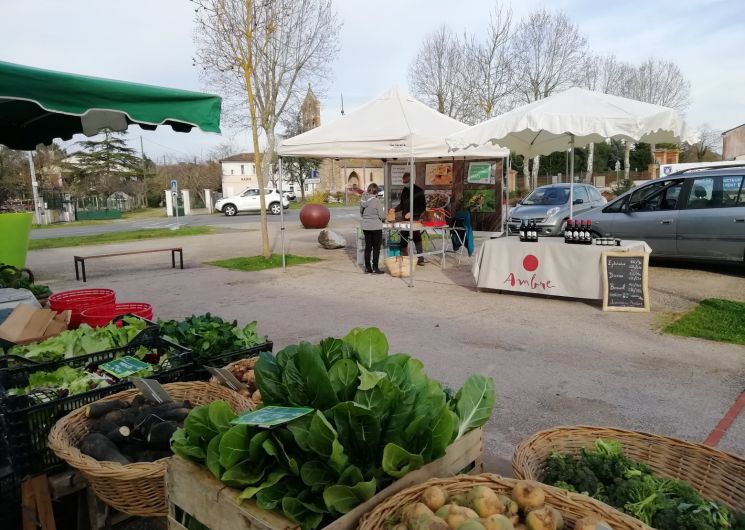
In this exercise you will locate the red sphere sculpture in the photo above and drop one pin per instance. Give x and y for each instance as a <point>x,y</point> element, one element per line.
<point>315,216</point>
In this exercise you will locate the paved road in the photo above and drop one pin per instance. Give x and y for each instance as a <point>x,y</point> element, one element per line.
<point>124,225</point>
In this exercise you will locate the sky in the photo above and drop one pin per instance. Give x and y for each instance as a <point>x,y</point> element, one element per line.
<point>152,42</point>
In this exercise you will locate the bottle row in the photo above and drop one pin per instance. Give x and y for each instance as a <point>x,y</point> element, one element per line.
<point>578,232</point>
<point>529,230</point>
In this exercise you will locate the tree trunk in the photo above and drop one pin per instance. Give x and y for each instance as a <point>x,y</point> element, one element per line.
<point>626,156</point>
<point>247,75</point>
<point>536,168</point>
<point>590,161</point>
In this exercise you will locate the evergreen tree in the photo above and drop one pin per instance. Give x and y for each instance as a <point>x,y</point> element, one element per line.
<point>105,166</point>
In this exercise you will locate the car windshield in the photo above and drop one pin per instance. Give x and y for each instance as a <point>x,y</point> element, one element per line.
<point>548,196</point>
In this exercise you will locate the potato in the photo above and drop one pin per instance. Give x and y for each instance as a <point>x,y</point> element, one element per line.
<point>528,495</point>
<point>434,497</point>
<point>540,519</point>
<point>497,522</point>
<point>591,522</point>
<point>400,526</point>
<point>484,501</point>
<point>444,511</point>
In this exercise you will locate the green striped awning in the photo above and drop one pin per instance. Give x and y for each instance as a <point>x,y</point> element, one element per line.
<point>37,106</point>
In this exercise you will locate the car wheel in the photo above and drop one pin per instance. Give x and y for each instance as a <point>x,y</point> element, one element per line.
<point>230,210</point>
<point>275,208</point>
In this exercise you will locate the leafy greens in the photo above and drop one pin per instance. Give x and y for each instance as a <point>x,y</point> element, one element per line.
<point>377,417</point>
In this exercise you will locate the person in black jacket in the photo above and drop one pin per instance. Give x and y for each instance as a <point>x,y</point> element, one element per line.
<point>420,205</point>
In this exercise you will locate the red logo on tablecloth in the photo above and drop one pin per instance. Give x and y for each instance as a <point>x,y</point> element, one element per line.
<point>530,264</point>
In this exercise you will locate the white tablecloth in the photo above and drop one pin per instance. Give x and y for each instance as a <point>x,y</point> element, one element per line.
<point>548,266</point>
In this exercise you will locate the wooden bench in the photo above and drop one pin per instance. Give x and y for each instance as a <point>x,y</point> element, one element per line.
<point>81,259</point>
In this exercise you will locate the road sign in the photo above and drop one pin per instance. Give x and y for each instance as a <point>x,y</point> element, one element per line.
<point>174,185</point>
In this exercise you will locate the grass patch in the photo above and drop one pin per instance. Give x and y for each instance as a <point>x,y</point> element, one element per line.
<point>260,263</point>
<point>145,213</point>
<point>71,224</point>
<point>116,237</point>
<point>713,319</point>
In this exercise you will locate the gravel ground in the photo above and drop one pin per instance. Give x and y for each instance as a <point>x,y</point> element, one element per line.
<point>555,361</point>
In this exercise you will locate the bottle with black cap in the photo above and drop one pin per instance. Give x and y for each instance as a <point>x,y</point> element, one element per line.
<point>523,231</point>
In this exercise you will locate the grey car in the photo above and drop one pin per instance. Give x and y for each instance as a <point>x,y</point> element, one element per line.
<point>549,207</point>
<point>693,214</point>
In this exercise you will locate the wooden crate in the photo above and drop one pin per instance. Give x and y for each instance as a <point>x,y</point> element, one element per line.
<point>193,490</point>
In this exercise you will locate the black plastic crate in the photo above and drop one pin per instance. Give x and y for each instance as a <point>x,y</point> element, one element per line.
<point>26,422</point>
<point>223,359</point>
<point>10,498</point>
<point>16,362</point>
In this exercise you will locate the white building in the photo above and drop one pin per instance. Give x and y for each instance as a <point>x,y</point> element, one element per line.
<point>238,173</point>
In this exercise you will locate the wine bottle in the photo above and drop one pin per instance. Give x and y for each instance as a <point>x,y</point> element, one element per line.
<point>534,232</point>
<point>588,234</point>
<point>575,232</point>
<point>568,232</point>
<point>582,231</point>
<point>522,230</point>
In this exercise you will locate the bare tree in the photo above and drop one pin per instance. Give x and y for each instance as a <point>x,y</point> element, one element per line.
<point>436,75</point>
<point>487,68</point>
<point>656,81</point>
<point>260,54</point>
<point>546,47</point>
<point>602,74</point>
<point>708,145</point>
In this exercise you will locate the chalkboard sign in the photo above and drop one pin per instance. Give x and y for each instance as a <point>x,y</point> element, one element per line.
<point>625,281</point>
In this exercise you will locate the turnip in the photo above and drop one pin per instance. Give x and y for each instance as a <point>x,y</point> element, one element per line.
<point>484,501</point>
<point>412,511</point>
<point>528,495</point>
<point>591,522</point>
<point>540,519</point>
<point>434,497</point>
<point>458,515</point>
<point>497,522</point>
<point>471,524</point>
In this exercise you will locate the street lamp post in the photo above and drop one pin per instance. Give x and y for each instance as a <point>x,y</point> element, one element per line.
<point>618,168</point>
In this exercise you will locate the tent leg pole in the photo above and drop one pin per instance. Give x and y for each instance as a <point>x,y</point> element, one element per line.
<point>571,176</point>
<point>412,178</point>
<point>282,217</point>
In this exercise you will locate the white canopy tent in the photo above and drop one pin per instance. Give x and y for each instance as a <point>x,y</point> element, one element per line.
<point>393,125</point>
<point>575,116</point>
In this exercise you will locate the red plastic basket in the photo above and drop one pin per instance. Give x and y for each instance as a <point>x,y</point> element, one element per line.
<point>99,316</point>
<point>80,299</point>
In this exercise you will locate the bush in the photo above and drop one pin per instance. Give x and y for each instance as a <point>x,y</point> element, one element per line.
<point>622,186</point>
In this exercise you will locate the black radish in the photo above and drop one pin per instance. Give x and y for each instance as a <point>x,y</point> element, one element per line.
<point>98,446</point>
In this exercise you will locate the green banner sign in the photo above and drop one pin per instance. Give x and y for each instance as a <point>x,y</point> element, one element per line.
<point>124,367</point>
<point>271,416</point>
<point>480,173</point>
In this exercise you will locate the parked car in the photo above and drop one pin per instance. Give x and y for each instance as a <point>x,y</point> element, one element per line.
<point>249,201</point>
<point>695,213</point>
<point>549,207</point>
<point>290,195</point>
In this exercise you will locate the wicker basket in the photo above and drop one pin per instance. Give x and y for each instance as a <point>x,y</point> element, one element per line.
<point>571,505</point>
<point>716,475</point>
<point>135,489</point>
<point>398,266</point>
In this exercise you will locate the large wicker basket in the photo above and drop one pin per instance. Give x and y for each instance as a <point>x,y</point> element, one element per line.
<point>571,505</point>
<point>140,488</point>
<point>716,475</point>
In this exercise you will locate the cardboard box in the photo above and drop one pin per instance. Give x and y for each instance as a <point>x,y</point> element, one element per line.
<point>29,324</point>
